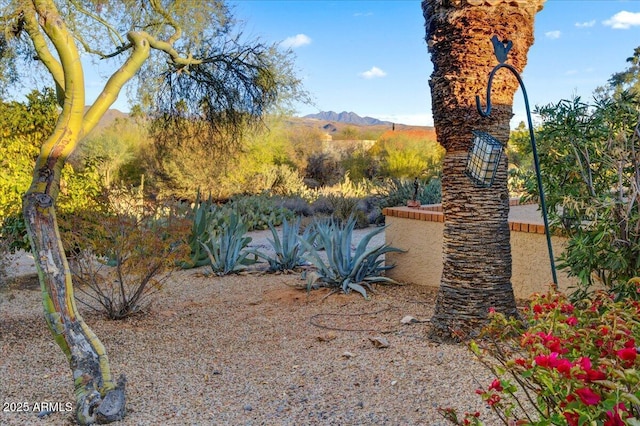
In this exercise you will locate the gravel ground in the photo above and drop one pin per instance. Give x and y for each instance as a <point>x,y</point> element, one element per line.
<point>249,350</point>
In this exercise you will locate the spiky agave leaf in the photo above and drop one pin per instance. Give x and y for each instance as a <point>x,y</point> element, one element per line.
<point>344,269</point>
<point>226,247</point>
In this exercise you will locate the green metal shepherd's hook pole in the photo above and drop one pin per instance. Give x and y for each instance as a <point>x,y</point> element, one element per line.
<point>501,50</point>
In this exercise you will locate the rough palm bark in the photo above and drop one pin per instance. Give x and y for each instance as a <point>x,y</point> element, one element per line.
<point>476,246</point>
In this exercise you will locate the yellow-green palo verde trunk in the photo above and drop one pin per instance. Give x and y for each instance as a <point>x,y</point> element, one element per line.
<point>98,398</point>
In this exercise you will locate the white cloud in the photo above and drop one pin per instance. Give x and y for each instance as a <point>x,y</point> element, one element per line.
<point>553,34</point>
<point>623,20</point>
<point>358,14</point>
<point>295,41</point>
<point>587,24</point>
<point>374,72</point>
<point>571,72</point>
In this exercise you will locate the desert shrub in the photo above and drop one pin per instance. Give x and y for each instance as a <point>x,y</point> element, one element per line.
<point>344,269</point>
<point>322,206</point>
<point>227,246</point>
<point>123,258</point>
<point>344,207</point>
<point>396,192</point>
<point>589,154</point>
<point>575,364</point>
<point>280,180</point>
<point>257,211</point>
<point>116,151</point>
<point>25,127</point>
<point>324,169</point>
<point>361,165</point>
<point>408,153</point>
<point>297,205</point>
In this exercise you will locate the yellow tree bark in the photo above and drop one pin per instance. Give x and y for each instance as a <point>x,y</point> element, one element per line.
<point>98,397</point>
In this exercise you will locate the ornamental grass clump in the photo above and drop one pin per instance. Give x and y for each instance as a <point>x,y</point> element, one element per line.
<point>345,269</point>
<point>575,364</point>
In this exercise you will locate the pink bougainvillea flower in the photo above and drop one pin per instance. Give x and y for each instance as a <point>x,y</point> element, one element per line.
<point>572,321</point>
<point>587,396</point>
<point>492,310</point>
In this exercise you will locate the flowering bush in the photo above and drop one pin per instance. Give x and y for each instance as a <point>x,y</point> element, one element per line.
<point>571,365</point>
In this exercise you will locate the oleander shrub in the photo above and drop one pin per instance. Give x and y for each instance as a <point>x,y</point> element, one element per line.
<point>562,363</point>
<point>589,155</point>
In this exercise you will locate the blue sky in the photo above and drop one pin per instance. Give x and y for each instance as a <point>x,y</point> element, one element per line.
<point>370,57</point>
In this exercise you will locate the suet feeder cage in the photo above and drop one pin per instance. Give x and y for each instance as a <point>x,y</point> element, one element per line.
<point>483,159</point>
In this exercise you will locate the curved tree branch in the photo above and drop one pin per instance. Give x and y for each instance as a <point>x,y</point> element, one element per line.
<point>140,53</point>
<point>42,50</point>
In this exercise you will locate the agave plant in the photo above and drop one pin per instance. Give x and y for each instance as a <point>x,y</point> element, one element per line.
<point>289,250</point>
<point>345,269</point>
<point>199,232</point>
<point>226,247</point>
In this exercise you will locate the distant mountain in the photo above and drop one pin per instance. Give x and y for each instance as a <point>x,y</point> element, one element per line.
<point>346,117</point>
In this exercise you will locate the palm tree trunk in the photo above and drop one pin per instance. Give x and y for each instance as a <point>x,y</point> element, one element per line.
<point>476,245</point>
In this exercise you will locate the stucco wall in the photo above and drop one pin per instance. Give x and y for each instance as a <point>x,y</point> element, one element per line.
<point>422,263</point>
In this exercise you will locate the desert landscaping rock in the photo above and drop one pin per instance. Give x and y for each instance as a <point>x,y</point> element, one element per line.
<point>205,353</point>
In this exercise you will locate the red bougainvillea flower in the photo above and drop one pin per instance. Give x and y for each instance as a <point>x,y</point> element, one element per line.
<point>585,363</point>
<point>496,385</point>
<point>567,308</point>
<point>493,399</point>
<point>614,418</point>
<point>628,356</point>
<point>587,396</point>
<point>572,321</point>
<point>547,361</point>
<point>593,375</point>
<point>564,366</point>
<point>572,418</point>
